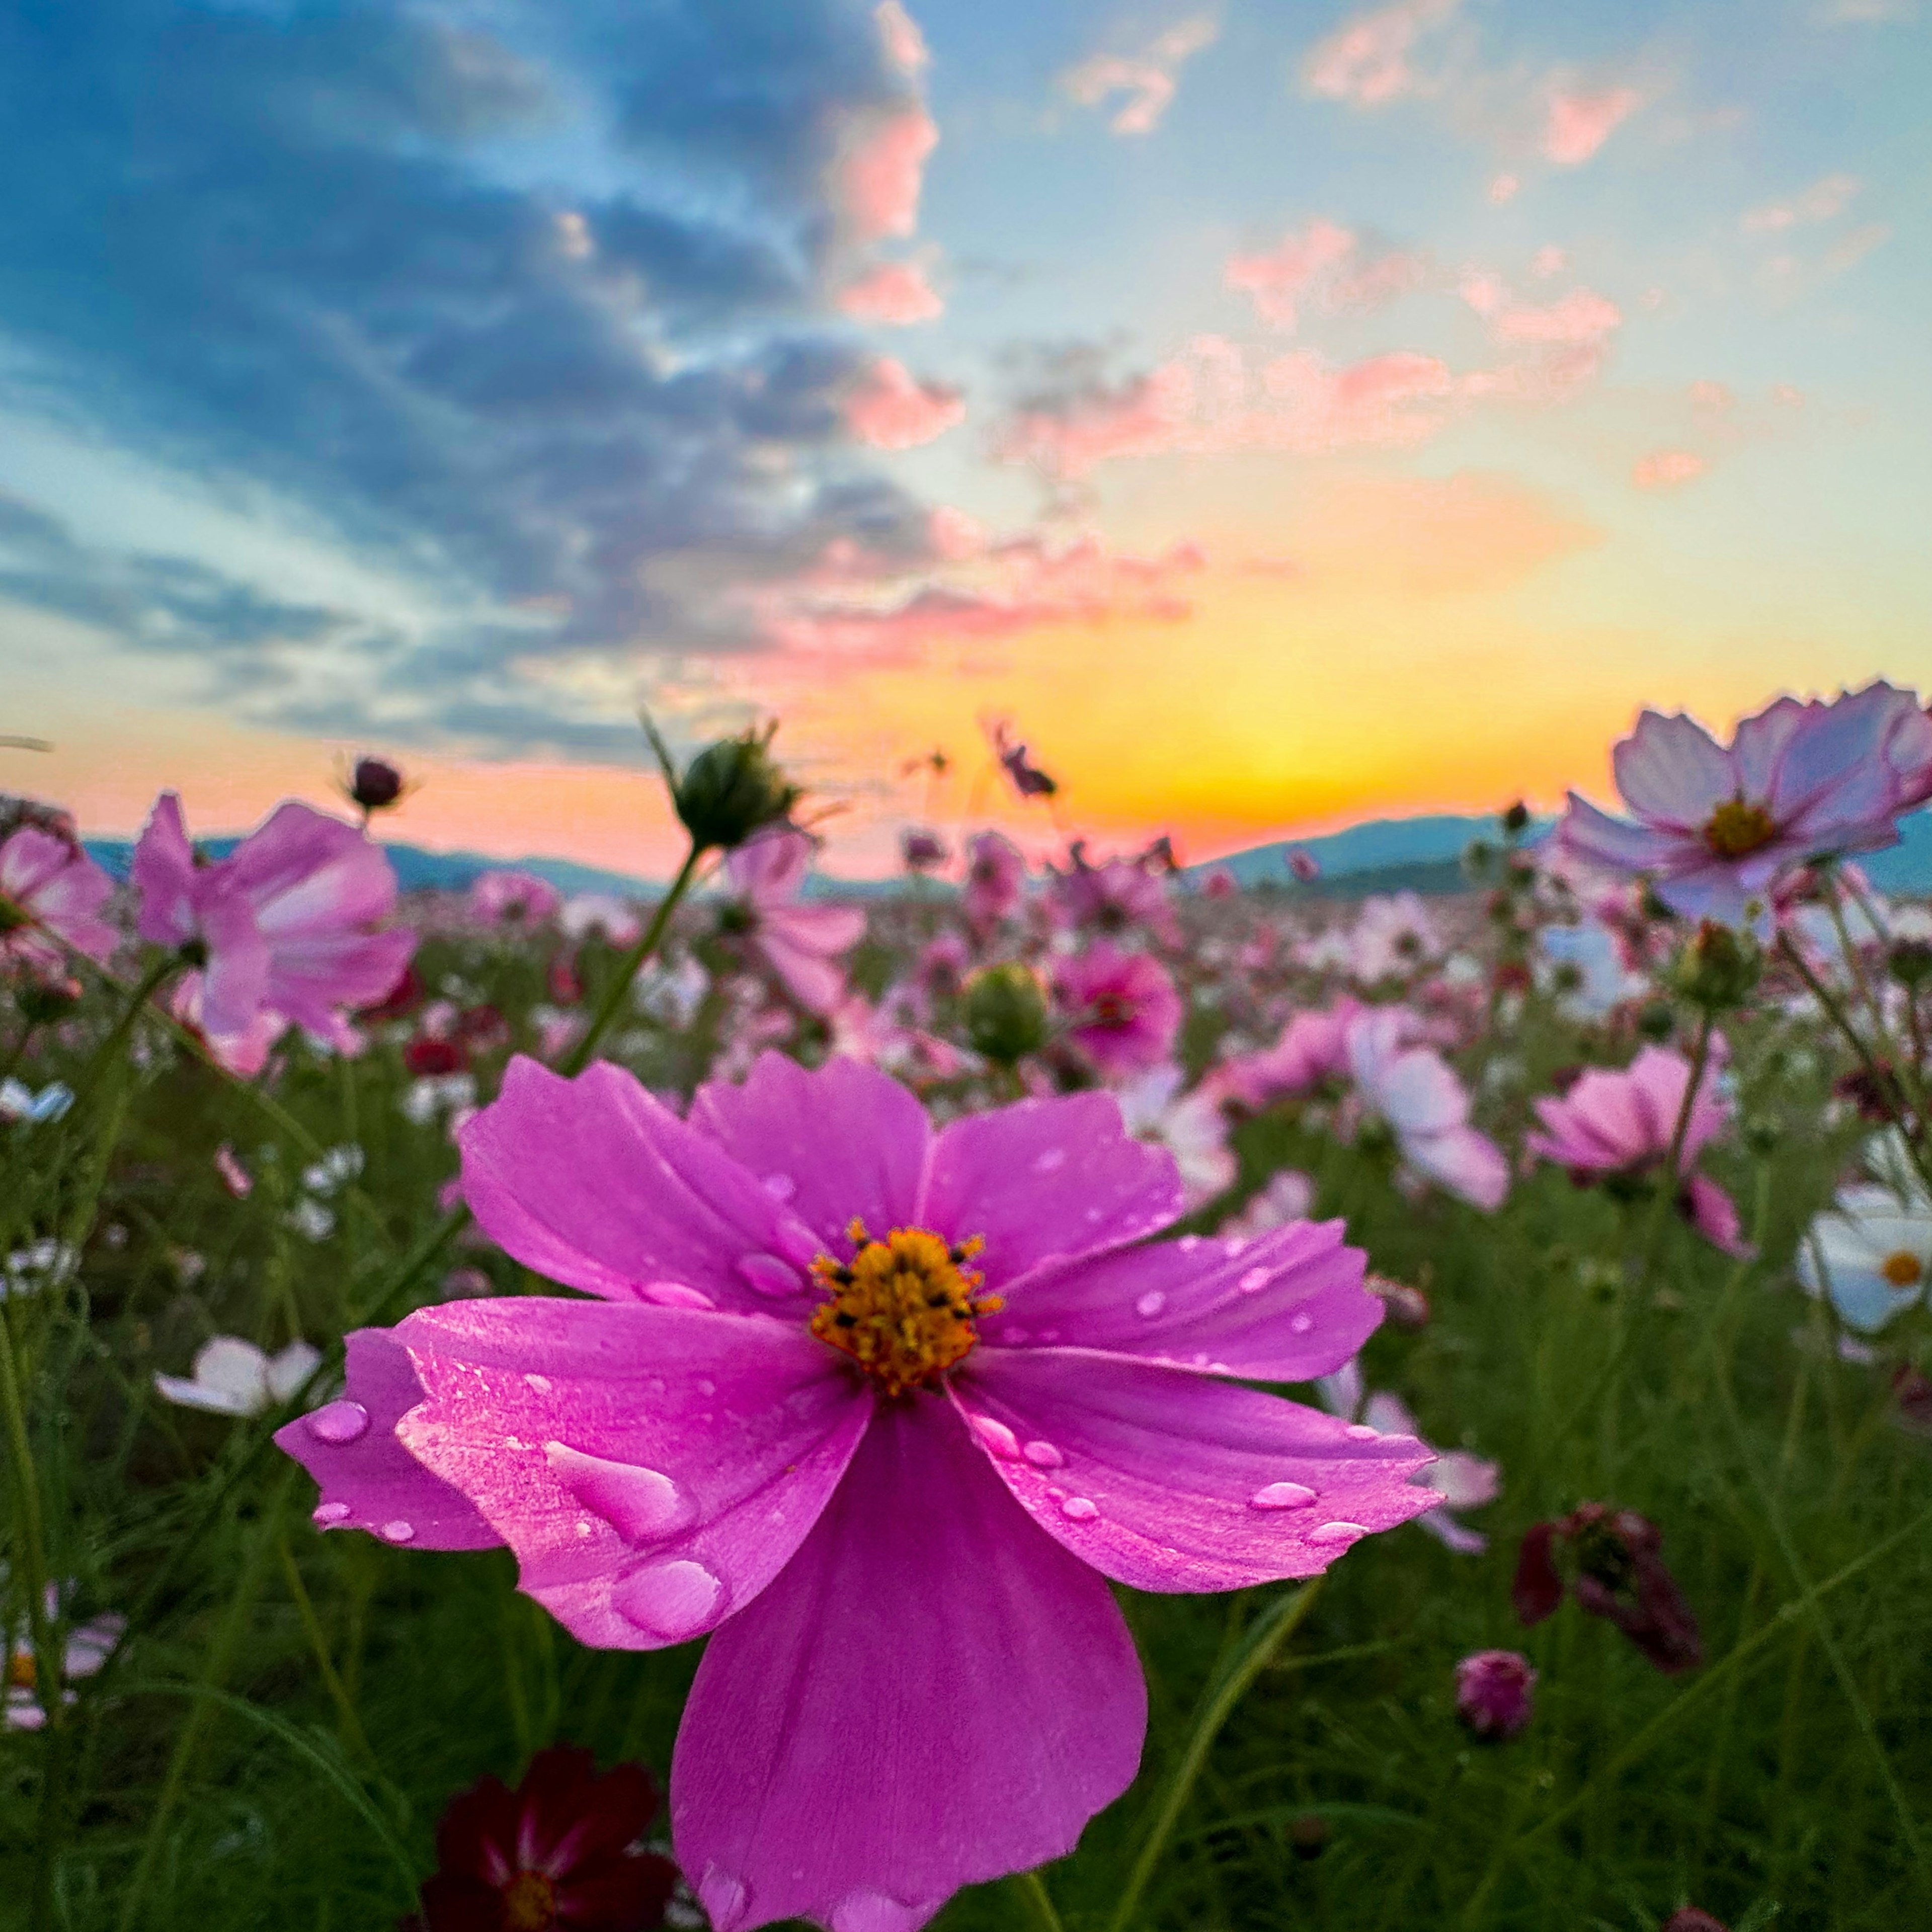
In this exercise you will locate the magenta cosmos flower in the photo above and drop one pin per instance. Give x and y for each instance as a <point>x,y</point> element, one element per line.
<point>1714,825</point>
<point>884,1409</point>
<point>1122,1010</point>
<point>1617,1127</point>
<point>995,878</point>
<point>507,896</point>
<point>51,894</point>
<point>281,932</point>
<point>800,943</point>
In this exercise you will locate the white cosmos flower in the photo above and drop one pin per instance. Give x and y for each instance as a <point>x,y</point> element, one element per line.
<point>1871,1252</point>
<point>232,1377</point>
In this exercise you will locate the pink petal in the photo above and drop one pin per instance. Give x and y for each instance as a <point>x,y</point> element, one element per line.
<point>930,1695</point>
<point>1593,835</point>
<point>305,872</point>
<point>164,874</point>
<point>1714,1215</point>
<point>844,1140</point>
<point>1172,1481</point>
<point>365,1474</point>
<point>653,1468</point>
<point>592,1183</point>
<point>1047,1179</point>
<point>1284,1307</point>
<point>771,867</point>
<point>1672,773</point>
<point>235,983</point>
<point>1468,1164</point>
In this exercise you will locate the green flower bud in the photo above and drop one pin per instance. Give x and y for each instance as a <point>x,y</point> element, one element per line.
<point>1911,962</point>
<point>1006,1012</point>
<point>731,790</point>
<point>1716,968</point>
<point>1657,1021</point>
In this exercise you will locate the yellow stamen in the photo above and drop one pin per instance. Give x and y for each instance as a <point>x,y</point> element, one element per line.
<point>21,1674</point>
<point>529,1904</point>
<point>903,1308</point>
<point>1736,829</point>
<point>1903,1270</point>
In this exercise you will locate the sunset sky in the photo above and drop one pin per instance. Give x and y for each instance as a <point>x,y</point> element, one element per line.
<point>1283,414</point>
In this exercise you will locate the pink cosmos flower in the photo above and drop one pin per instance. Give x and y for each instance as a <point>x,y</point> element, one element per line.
<point>923,851</point>
<point>995,878</point>
<point>884,1409</point>
<point>1617,1127</point>
<point>1715,826</point>
<point>1493,1692</point>
<point>799,943</point>
<point>509,897</point>
<point>1313,1048</point>
<point>1411,1090</point>
<point>281,930</point>
<point>1117,897</point>
<point>1123,1010</point>
<point>51,892</point>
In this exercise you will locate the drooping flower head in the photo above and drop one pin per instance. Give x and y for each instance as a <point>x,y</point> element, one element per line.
<point>1616,1570</point>
<point>799,943</point>
<point>1617,1126</point>
<point>51,894</point>
<point>281,932</point>
<point>1715,826</point>
<point>1123,1009</point>
<point>883,1409</point>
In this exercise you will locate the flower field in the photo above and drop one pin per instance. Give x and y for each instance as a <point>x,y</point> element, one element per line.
<point>1091,1398</point>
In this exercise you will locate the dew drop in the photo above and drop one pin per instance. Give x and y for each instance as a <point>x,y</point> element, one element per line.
<point>1188,1243</point>
<point>326,1513</point>
<point>1049,1336</point>
<point>541,1384</point>
<point>1046,1162</point>
<point>1013,1335</point>
<point>398,1532</point>
<point>1302,1323</point>
<point>672,1600</point>
<point>1361,1432</point>
<point>584,1526</point>
<point>1150,1303</point>
<point>769,1275</point>
<point>1255,1278</point>
<point>339,1422</point>
<point>1235,1245</point>
<point>1337,1532</point>
<point>1043,1455</point>
<point>675,1294</point>
<point>997,1436</point>
<point>780,1186</point>
<point>639,1503</point>
<point>1282,1496</point>
<point>723,1897</point>
<point>705,1386</point>
<point>1079,1509</point>
<point>1093,1213</point>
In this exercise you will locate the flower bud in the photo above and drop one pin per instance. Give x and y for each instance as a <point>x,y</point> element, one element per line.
<point>1911,962</point>
<point>1656,1021</point>
<point>1716,968</point>
<point>1493,1692</point>
<point>730,790</point>
<point>923,851</point>
<point>1514,819</point>
<point>45,999</point>
<point>374,784</point>
<point>1006,1012</point>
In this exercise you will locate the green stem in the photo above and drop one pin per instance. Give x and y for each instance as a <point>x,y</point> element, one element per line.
<point>1271,1630</point>
<point>18,1051</point>
<point>579,1056</point>
<point>109,1050</point>
<point>353,1734</point>
<point>1035,1898</point>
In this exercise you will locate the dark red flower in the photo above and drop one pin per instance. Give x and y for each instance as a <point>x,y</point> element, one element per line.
<point>553,1855</point>
<point>404,998</point>
<point>482,1029</point>
<point>1619,1574</point>
<point>566,982</point>
<point>1688,1918</point>
<point>430,1058</point>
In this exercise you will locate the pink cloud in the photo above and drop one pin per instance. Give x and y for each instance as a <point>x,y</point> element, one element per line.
<point>904,44</point>
<point>1149,79</point>
<point>1856,246</point>
<point>1366,61</point>
<point>1712,398</point>
<point>890,409</point>
<point>1582,317</point>
<point>1321,264</point>
<point>894,292</point>
<point>1548,261</point>
<point>954,534</point>
<point>879,175</point>
<point>1577,124</point>
<point>1668,469</point>
<point>1503,188</point>
<point>1141,417</point>
<point>1827,197</point>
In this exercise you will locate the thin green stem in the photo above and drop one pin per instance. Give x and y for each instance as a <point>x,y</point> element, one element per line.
<point>1031,1889</point>
<point>109,1051</point>
<point>353,1734</point>
<point>1269,1631</point>
<point>579,1056</point>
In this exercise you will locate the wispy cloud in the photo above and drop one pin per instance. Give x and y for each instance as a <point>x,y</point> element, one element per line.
<point>1324,264</point>
<point>1826,199</point>
<point>1148,79</point>
<point>1577,124</point>
<point>891,409</point>
<point>1367,61</point>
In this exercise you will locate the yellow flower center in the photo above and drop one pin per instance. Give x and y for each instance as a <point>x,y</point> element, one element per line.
<point>904,1308</point>
<point>21,1674</point>
<point>1903,1270</point>
<point>1737,829</point>
<point>529,1904</point>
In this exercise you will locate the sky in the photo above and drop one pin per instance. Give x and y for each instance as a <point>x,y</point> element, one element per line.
<point>1275,414</point>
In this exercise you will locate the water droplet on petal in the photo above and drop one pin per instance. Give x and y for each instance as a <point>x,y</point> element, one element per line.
<point>1406,1445</point>
<point>674,1294</point>
<point>1079,1509</point>
<point>1360,1431</point>
<point>326,1513</point>
<point>1013,1334</point>
<point>541,1384</point>
<point>1043,1455</point>
<point>1302,1323</point>
<point>338,1422</point>
<point>398,1532</point>
<point>1235,1245</point>
<point>780,1186</point>
<point>724,1898</point>
<point>1337,1532</point>
<point>997,1436</point>
<point>1282,1495</point>
<point>640,1504</point>
<point>1188,1243</point>
<point>769,1275</point>
<point>671,1600</point>
<point>1049,1336</point>
<point>1150,1303</point>
<point>1255,1278</point>
<point>1045,1163</point>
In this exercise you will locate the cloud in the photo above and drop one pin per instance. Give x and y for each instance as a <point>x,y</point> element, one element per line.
<point>1148,78</point>
<point>1667,470</point>
<point>904,44</point>
<point>1576,124</point>
<point>890,409</point>
<point>1856,246</point>
<point>305,255</point>
<point>1824,200</point>
<point>1504,188</point>
<point>1366,61</point>
<point>1322,264</point>
<point>895,293</point>
<point>1865,13</point>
